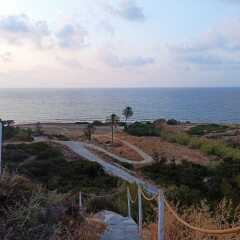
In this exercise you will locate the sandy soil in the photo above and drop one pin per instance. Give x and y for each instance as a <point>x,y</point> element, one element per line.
<point>117,148</point>
<point>152,145</point>
<point>70,130</point>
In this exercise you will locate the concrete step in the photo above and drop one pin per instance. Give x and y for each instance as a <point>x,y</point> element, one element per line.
<point>118,227</point>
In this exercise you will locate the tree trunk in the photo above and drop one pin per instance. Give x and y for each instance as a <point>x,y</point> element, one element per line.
<point>90,136</point>
<point>112,133</point>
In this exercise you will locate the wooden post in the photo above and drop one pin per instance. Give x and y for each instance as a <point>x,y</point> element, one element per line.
<point>161,210</point>
<point>129,203</point>
<point>139,211</point>
<point>80,202</point>
<point>1,146</point>
<point>153,228</point>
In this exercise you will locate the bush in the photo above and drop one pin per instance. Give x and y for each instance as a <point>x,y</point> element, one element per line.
<point>172,122</point>
<point>207,128</point>
<point>142,129</point>
<point>46,164</point>
<point>183,139</point>
<point>97,123</point>
<point>27,211</point>
<point>17,134</point>
<point>196,143</point>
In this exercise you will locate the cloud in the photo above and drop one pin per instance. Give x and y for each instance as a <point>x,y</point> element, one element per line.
<point>72,36</point>
<point>127,9</point>
<point>6,57</point>
<point>117,62</point>
<point>107,27</point>
<point>17,28</point>
<point>219,47</point>
<point>69,62</point>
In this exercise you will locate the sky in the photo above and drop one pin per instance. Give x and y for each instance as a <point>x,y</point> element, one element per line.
<point>119,43</point>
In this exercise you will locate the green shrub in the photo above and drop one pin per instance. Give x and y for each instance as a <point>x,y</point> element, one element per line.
<point>196,143</point>
<point>97,123</point>
<point>207,128</point>
<point>17,134</point>
<point>172,122</point>
<point>142,129</point>
<point>182,138</point>
<point>46,164</point>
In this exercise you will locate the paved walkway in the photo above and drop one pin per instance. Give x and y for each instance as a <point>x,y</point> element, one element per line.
<point>114,170</point>
<point>118,227</point>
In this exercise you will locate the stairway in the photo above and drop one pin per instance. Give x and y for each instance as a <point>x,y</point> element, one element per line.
<point>118,227</point>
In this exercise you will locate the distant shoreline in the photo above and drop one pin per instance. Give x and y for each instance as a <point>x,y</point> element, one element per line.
<point>197,105</point>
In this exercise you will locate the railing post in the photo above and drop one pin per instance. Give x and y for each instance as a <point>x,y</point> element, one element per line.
<point>161,211</point>
<point>129,203</point>
<point>80,202</point>
<point>139,211</point>
<point>1,146</point>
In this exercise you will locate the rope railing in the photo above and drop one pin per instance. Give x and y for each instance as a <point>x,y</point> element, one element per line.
<point>162,204</point>
<point>149,198</point>
<point>202,230</point>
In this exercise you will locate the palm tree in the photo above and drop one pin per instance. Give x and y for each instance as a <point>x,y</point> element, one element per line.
<point>89,131</point>
<point>113,119</point>
<point>127,113</point>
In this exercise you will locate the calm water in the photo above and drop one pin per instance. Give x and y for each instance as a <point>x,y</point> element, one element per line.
<point>69,105</point>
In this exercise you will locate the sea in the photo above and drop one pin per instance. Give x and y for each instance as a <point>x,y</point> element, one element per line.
<point>200,105</point>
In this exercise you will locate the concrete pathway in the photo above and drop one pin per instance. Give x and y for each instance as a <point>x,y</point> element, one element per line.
<point>146,158</point>
<point>114,170</point>
<point>118,227</point>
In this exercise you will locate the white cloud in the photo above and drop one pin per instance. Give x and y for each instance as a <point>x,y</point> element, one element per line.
<point>127,9</point>
<point>220,47</point>
<point>119,62</point>
<point>21,29</point>
<point>6,57</point>
<point>18,28</point>
<point>72,36</point>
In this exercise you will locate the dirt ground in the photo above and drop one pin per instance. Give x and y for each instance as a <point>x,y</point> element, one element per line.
<point>102,137</point>
<point>71,130</point>
<point>117,148</point>
<point>152,145</point>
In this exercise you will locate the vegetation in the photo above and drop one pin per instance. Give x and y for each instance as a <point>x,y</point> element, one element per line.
<point>143,129</point>
<point>7,123</point>
<point>127,113</point>
<point>113,119</point>
<point>29,211</point>
<point>23,210</point>
<point>226,215</point>
<point>207,128</point>
<point>172,122</point>
<point>188,183</point>
<point>47,165</point>
<point>17,134</point>
<point>207,146</point>
<point>97,123</point>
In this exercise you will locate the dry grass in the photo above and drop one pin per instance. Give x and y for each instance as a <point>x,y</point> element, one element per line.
<point>200,217</point>
<point>70,229</point>
<point>152,145</point>
<point>28,211</point>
